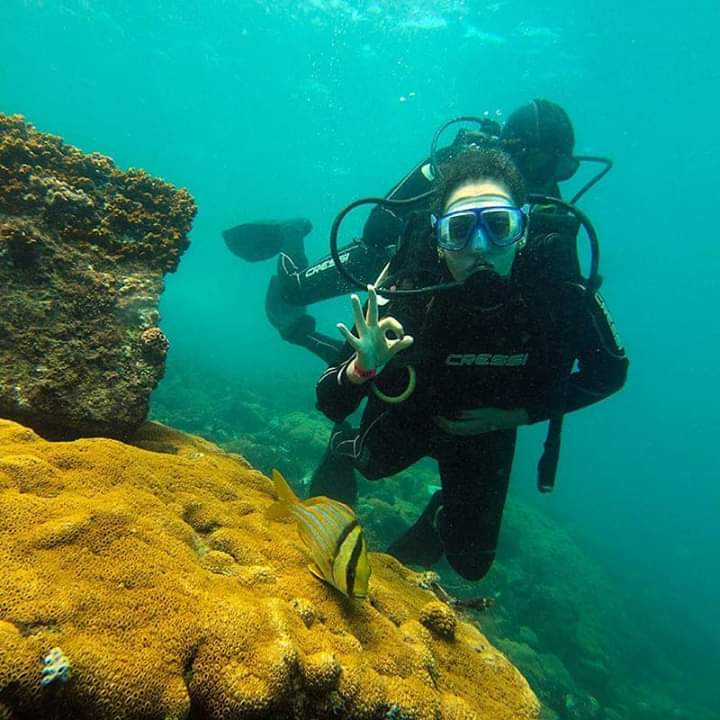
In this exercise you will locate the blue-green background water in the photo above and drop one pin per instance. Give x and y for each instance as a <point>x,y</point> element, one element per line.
<point>279,109</point>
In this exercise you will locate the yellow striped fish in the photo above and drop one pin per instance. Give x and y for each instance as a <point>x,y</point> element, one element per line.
<point>332,534</point>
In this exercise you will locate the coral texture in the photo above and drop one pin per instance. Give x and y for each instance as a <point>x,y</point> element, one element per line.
<point>83,250</point>
<point>438,617</point>
<point>153,568</point>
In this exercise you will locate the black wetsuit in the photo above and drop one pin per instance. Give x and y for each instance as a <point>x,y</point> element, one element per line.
<point>520,354</point>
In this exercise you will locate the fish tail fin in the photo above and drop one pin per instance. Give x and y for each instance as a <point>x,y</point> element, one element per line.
<point>286,497</point>
<point>284,491</point>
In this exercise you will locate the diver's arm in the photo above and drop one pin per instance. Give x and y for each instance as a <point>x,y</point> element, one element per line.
<point>377,340</point>
<point>602,363</point>
<point>337,396</point>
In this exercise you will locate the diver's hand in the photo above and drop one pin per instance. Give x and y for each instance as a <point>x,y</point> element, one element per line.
<point>372,345</point>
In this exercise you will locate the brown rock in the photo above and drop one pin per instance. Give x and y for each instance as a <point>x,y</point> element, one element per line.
<point>83,251</point>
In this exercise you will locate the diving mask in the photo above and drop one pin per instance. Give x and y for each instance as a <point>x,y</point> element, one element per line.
<point>496,223</point>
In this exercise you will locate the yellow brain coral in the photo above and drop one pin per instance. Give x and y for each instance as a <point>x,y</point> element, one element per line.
<point>152,569</point>
<point>437,616</point>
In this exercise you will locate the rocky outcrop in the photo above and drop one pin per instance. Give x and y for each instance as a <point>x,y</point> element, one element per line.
<point>83,250</point>
<point>150,574</point>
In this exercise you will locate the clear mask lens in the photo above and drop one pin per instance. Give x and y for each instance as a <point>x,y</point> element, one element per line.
<point>458,229</point>
<point>503,226</point>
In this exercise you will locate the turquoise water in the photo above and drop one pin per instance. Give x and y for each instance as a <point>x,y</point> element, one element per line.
<point>295,108</point>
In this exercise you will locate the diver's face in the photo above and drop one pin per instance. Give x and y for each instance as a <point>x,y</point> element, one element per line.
<point>462,263</point>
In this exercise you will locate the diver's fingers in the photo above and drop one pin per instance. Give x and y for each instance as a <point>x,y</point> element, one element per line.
<point>360,324</point>
<point>390,324</point>
<point>400,345</point>
<point>372,308</point>
<point>352,340</point>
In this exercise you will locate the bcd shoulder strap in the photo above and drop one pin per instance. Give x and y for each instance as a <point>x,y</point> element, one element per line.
<point>550,255</point>
<point>545,265</point>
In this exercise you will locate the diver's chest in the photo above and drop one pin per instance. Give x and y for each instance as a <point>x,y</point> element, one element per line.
<point>487,369</point>
<point>494,346</point>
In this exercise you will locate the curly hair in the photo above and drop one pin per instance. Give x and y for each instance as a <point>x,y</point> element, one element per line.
<point>480,164</point>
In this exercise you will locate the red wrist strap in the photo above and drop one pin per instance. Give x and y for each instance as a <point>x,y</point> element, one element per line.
<point>364,374</point>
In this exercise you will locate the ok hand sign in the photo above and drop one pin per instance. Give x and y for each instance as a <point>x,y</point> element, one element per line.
<point>373,346</point>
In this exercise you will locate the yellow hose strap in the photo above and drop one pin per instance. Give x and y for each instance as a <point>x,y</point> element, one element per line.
<point>403,396</point>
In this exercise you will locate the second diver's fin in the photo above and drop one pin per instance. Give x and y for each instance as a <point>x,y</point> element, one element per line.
<point>266,238</point>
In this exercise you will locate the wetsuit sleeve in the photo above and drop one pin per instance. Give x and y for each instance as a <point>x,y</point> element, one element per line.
<point>601,367</point>
<point>337,397</point>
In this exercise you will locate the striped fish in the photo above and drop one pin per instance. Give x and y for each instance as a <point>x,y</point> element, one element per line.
<point>332,535</point>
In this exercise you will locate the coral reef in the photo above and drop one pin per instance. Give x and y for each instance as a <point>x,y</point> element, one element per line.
<point>154,341</point>
<point>439,618</point>
<point>83,250</point>
<point>578,637</point>
<point>152,566</point>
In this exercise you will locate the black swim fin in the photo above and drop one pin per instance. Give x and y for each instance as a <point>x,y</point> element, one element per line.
<point>264,239</point>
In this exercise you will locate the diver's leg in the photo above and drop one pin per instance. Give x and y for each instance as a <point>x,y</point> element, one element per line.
<point>335,475</point>
<point>385,443</point>
<point>382,446</point>
<point>288,320</point>
<point>296,326</point>
<point>325,347</point>
<point>303,285</point>
<point>475,474</point>
<point>295,285</point>
<point>292,321</point>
